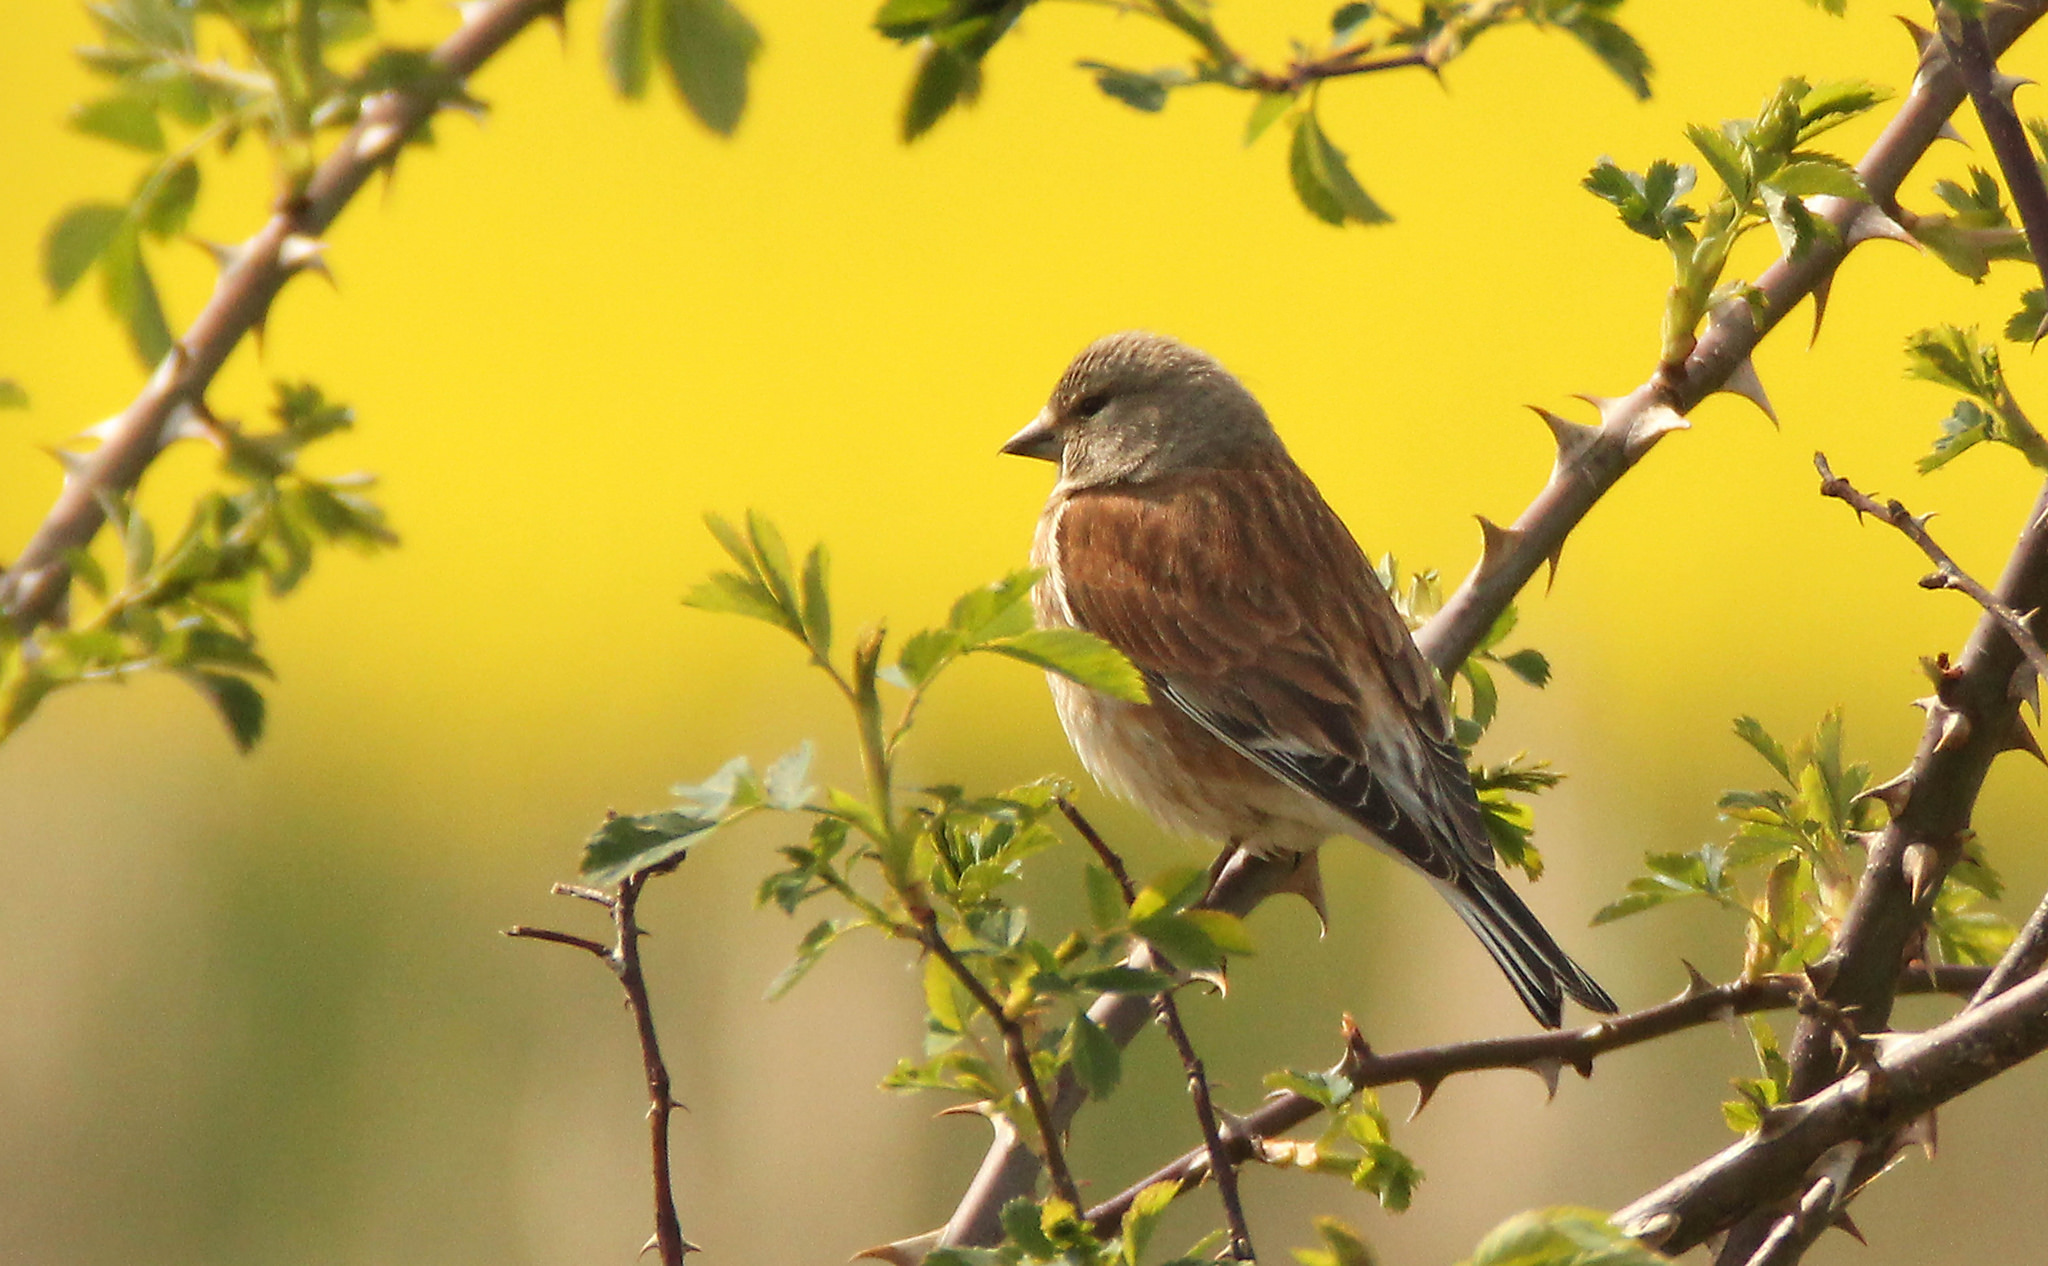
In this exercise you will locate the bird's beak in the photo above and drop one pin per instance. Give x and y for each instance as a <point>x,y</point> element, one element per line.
<point>1036,439</point>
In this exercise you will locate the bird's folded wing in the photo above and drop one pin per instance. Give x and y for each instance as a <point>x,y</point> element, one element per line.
<point>1247,605</point>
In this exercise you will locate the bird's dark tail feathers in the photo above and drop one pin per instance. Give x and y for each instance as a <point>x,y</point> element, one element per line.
<point>1541,972</point>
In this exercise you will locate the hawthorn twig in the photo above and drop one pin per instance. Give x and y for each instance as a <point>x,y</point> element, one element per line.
<point>1870,1107</point>
<point>38,578</point>
<point>1019,1054</point>
<point>1948,574</point>
<point>1970,52</point>
<point>1796,1231</point>
<point>622,956</point>
<point>1546,1054</point>
<point>1221,1167</point>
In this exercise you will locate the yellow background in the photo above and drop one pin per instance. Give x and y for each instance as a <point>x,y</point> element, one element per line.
<point>255,1010</point>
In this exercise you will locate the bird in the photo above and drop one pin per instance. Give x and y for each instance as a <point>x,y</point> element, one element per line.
<point>1288,703</point>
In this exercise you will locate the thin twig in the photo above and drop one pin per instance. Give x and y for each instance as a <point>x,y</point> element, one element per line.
<point>1545,1054</point>
<point>1948,573</point>
<point>623,958</point>
<point>1221,1167</point>
<point>1796,1231</point>
<point>1019,1053</point>
<point>33,585</point>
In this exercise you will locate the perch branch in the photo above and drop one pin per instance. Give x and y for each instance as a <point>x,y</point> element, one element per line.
<point>1545,1054</point>
<point>1871,1108</point>
<point>35,583</point>
<point>622,956</point>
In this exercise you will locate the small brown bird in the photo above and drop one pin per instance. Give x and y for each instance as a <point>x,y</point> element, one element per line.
<point>1289,703</point>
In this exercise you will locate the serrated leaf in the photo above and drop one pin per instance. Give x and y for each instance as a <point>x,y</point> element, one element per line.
<point>170,204</point>
<point>239,703</point>
<point>1751,731</point>
<point>736,595</point>
<point>1820,174</point>
<point>1323,180</point>
<point>122,119</point>
<point>77,239</point>
<point>627,845</point>
<point>1080,657</point>
<point>1094,1057</point>
<point>2024,326</point>
<point>1966,426</point>
<point>708,46</point>
<point>1723,156</point>
<point>1530,665</point>
<point>1023,1226</point>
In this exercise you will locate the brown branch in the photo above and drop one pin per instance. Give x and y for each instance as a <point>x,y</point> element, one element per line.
<point>1546,1054</point>
<point>1870,1107</point>
<point>1948,573</point>
<point>1220,1166</point>
<point>623,958</point>
<point>1018,1052</point>
<point>1336,66</point>
<point>36,582</point>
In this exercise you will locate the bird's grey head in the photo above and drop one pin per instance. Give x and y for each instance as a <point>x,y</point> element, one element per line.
<point>1137,406</point>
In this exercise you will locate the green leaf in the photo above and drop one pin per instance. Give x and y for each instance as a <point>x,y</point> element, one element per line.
<point>78,238</point>
<point>1265,112</point>
<point>1142,1218</point>
<point>1342,1246</point>
<point>1182,938</point>
<point>908,19</point>
<point>817,601</point>
<point>1323,180</point>
<point>1022,1227</point>
<point>1953,357</point>
<point>239,703</point>
<point>1561,1237</point>
<point>170,204</point>
<point>628,845</point>
<point>944,78</point>
<point>1819,174</point>
<point>1170,891</point>
<point>1118,979</point>
<point>708,46</point>
<point>12,396</point>
<point>1105,898</point>
<point>734,594</point>
<point>924,653</point>
<point>1724,156</point>
<point>729,788</point>
<point>1966,426</point>
<point>122,119</point>
<point>1751,731</point>
<point>2025,326</point>
<point>1829,105</point>
<point>129,292</point>
<point>1078,656</point>
<point>1225,931</point>
<point>1530,665</point>
<point>629,36</point>
<point>942,996</point>
<point>1614,46</point>
<point>1094,1057</point>
<point>1134,88</point>
<point>1001,608</point>
<point>808,951</point>
<point>1326,1088</point>
<point>1485,696</point>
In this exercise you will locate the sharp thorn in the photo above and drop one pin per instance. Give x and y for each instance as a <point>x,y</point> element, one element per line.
<point>1742,381</point>
<point>1921,865</point>
<point>1305,880</point>
<point>1955,730</point>
<point>1821,290</point>
<point>2021,739</point>
<point>1547,1068</point>
<point>1695,983</point>
<point>1573,438</point>
<point>1948,132</point>
<point>1844,1222</point>
<point>1424,1091</point>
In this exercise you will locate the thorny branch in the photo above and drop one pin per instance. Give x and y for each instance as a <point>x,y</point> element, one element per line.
<point>1590,462</point>
<point>622,956</point>
<point>1947,574</point>
<point>1872,1108</point>
<point>1545,1054</point>
<point>34,586</point>
<point>1220,1166</point>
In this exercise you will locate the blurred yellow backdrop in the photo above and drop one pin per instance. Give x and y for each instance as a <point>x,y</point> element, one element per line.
<point>254,1009</point>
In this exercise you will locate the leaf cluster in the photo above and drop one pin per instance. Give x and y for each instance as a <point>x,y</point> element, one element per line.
<point>1357,1143</point>
<point>953,38</point>
<point>1961,361</point>
<point>707,47</point>
<point>185,607</point>
<point>1055,1234</point>
<point>1768,172</point>
<point>1562,1237</point>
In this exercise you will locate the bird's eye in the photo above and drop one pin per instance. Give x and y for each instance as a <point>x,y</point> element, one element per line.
<point>1090,405</point>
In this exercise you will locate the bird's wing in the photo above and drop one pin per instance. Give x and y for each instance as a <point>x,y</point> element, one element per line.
<point>1248,606</point>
